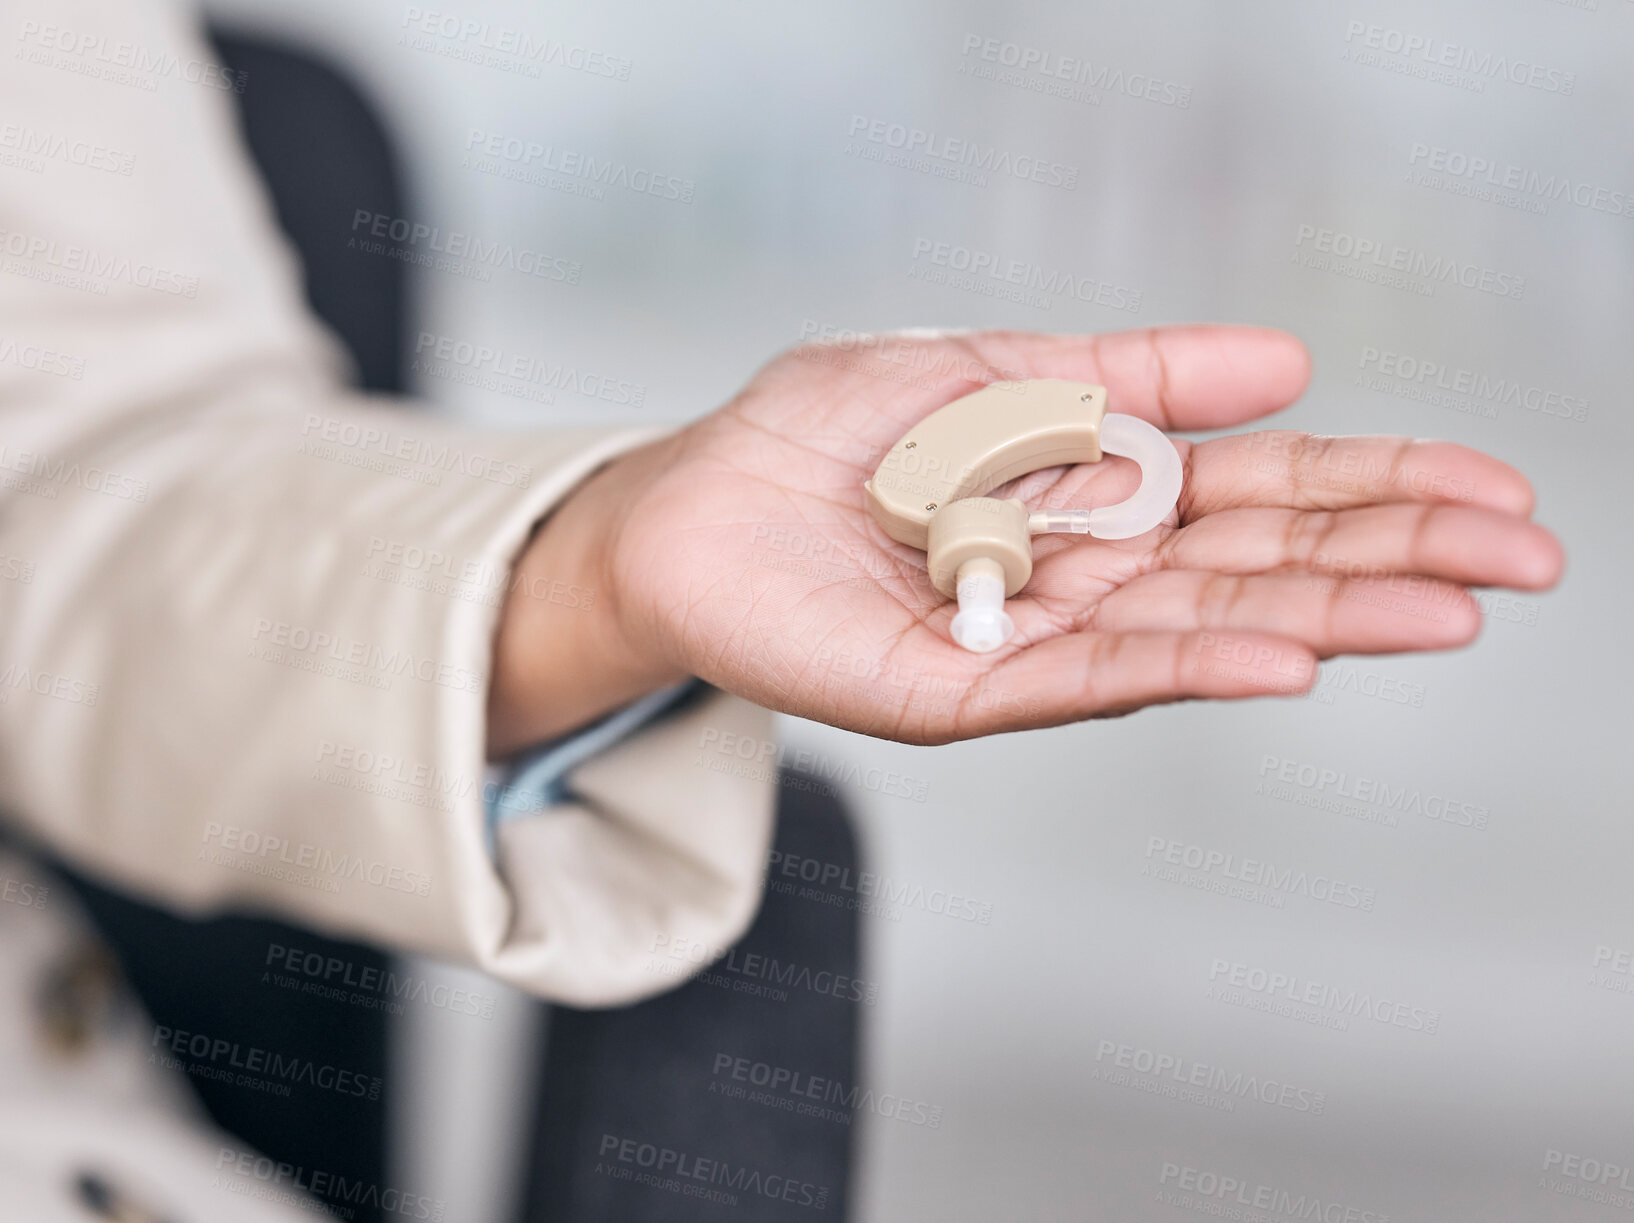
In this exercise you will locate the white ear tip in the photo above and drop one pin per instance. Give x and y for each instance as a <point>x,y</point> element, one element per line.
<point>1160,478</point>
<point>982,630</point>
<point>982,624</point>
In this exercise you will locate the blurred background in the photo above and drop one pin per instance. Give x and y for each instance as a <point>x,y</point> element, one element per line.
<point>1439,198</point>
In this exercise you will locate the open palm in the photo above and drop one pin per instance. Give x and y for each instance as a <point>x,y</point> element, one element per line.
<point>750,558</point>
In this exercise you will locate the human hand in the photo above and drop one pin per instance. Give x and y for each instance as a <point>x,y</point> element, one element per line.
<point>741,549</point>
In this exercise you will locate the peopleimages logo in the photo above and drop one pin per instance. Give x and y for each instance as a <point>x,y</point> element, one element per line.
<point>1613,969</point>
<point>1331,681</point>
<point>34,147</point>
<point>258,1177</point>
<point>810,1095</point>
<point>356,443</point>
<point>387,767</point>
<point>253,845</point>
<point>533,161</point>
<point>484,363</point>
<point>1435,59</point>
<point>41,360</point>
<point>1340,783</point>
<point>1049,72</point>
<point>16,569</point>
<point>1267,875</point>
<point>18,678</point>
<point>1617,959</point>
<point>940,149</point>
<point>56,470</point>
<point>899,357</point>
<point>88,269</point>
<point>1215,1193</point>
<point>831,880</point>
<point>1500,176</point>
<point>329,976</point>
<point>686,1173</point>
<point>1416,377</point>
<point>490,45</point>
<point>218,1058</point>
<point>423,243</point>
<point>769,759</point>
<point>308,649</point>
<point>978,270</point>
<point>1169,1074</point>
<point>126,63</point>
<point>1370,259</point>
<point>1587,1169</point>
<point>753,973</point>
<point>1271,986</point>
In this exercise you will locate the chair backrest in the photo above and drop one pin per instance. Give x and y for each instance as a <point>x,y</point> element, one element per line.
<point>327,161</point>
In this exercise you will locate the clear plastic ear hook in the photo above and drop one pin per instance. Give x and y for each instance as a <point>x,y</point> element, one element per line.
<point>1160,480</point>
<point>927,491</point>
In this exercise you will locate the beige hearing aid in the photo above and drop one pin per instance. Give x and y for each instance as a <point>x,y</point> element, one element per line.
<point>928,490</point>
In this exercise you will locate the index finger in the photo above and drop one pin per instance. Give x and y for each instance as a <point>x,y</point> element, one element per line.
<point>1197,376</point>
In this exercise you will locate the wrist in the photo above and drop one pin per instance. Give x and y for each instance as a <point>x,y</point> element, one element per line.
<point>565,652</point>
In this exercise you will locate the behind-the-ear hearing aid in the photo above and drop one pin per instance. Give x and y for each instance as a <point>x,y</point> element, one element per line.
<point>928,491</point>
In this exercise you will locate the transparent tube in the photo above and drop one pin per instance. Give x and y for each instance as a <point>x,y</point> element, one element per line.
<point>1160,480</point>
<point>1047,522</point>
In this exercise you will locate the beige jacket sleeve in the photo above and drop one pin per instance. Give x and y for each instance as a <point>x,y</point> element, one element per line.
<point>246,616</point>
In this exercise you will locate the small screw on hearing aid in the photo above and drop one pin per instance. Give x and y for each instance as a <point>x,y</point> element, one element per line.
<point>978,548</point>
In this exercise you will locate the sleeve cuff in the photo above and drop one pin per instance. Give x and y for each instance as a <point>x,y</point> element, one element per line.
<point>539,779</point>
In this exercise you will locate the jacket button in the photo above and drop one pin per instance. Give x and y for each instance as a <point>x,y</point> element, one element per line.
<point>76,998</point>
<point>103,1200</point>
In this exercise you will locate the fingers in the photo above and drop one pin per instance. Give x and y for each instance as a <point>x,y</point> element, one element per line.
<point>1475,547</point>
<point>1330,615</point>
<point>1097,674</point>
<point>1191,377</point>
<point>1307,471</point>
